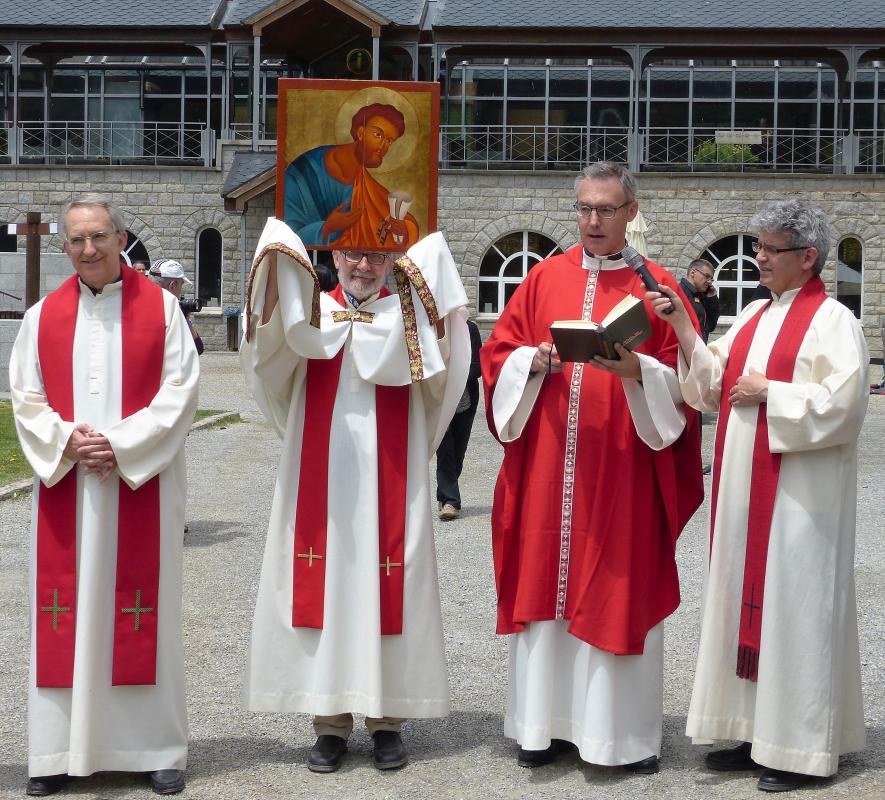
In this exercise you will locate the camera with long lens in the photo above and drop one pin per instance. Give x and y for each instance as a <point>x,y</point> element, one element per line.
<point>190,305</point>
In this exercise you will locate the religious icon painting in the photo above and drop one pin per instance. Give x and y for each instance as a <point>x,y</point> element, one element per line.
<point>357,162</point>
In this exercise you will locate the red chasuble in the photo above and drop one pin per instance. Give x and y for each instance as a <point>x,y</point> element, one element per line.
<point>138,536</point>
<point>312,510</point>
<point>584,528</point>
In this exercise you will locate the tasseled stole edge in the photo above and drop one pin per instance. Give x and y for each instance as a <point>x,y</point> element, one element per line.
<point>748,663</point>
<point>300,259</point>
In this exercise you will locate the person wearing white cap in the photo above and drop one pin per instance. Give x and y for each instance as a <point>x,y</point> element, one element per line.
<point>360,384</point>
<point>169,274</point>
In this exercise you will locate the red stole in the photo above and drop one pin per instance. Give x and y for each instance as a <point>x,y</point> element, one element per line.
<point>766,465</point>
<point>138,536</point>
<point>312,511</point>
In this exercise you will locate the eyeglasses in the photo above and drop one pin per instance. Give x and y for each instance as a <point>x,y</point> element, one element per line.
<point>771,250</point>
<point>603,212</point>
<point>375,259</point>
<point>99,239</point>
<point>707,275</point>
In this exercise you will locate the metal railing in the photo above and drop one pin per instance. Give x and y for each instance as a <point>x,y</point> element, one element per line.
<point>239,131</point>
<point>870,154</point>
<point>154,143</point>
<point>776,149</point>
<point>530,146</point>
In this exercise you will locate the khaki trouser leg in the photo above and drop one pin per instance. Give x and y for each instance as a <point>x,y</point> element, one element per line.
<point>384,724</point>
<point>337,725</point>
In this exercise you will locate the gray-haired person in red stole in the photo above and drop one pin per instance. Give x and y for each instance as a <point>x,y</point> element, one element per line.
<point>778,666</point>
<point>360,384</point>
<point>104,388</point>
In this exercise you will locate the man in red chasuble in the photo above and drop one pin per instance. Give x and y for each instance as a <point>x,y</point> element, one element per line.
<point>360,383</point>
<point>104,388</point>
<point>601,472</point>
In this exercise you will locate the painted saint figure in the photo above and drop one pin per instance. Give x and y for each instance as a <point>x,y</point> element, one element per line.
<point>331,198</point>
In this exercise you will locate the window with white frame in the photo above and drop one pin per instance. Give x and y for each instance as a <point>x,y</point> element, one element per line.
<point>736,274</point>
<point>135,250</point>
<point>849,274</point>
<point>505,265</point>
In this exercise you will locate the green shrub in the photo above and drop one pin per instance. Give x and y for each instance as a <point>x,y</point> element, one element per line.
<point>708,152</point>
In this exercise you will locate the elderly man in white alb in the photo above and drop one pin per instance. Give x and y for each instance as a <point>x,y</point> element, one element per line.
<point>104,388</point>
<point>360,384</point>
<point>778,665</point>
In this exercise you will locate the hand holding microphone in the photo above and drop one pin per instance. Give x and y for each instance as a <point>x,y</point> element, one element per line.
<point>635,260</point>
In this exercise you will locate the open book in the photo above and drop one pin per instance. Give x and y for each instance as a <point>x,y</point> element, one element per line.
<point>581,340</point>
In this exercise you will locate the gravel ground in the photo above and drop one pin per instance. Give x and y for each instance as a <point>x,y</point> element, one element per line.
<point>235,754</point>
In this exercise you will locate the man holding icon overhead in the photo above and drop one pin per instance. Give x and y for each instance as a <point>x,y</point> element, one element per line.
<point>601,472</point>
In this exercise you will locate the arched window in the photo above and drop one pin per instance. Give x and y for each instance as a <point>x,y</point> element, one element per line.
<point>736,273</point>
<point>506,263</point>
<point>849,274</point>
<point>209,267</point>
<point>135,250</point>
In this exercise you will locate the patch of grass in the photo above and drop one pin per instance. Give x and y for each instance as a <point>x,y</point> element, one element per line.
<point>13,464</point>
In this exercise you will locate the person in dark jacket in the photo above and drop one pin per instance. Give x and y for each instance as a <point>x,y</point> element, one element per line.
<point>453,447</point>
<point>698,286</point>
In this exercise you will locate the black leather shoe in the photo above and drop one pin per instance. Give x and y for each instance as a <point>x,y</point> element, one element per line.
<point>326,755</point>
<point>389,751</point>
<point>648,766</point>
<point>776,780</point>
<point>45,784</point>
<point>540,758</point>
<point>167,781</point>
<point>732,759</point>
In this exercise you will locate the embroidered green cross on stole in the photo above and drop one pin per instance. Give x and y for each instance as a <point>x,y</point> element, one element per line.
<point>143,322</point>
<point>312,510</point>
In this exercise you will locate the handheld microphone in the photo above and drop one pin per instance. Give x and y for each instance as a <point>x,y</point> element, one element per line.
<point>637,263</point>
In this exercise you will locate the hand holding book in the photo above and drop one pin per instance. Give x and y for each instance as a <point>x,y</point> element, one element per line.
<point>582,340</point>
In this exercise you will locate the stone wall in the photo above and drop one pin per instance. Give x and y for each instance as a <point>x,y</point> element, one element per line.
<point>167,207</point>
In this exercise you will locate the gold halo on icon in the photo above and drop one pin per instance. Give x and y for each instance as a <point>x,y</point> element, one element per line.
<point>402,150</point>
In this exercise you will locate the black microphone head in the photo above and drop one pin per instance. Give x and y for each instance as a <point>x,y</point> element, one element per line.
<point>633,257</point>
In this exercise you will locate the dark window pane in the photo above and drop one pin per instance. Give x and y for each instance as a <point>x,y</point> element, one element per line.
<point>68,109</point>
<point>94,83</point>
<point>509,244</point>
<point>31,108</point>
<point>119,82</point>
<point>270,118</point>
<point>669,115</point>
<point>509,289</point>
<point>525,112</point>
<point>513,268</point>
<point>241,84</point>
<point>755,83</point>
<point>166,82</point>
<point>882,84</point>
<point>797,115</point>
<point>797,85</point>
<point>194,83</point>
<point>849,274</point>
<point>711,115</point>
<point>526,83</point>
<point>456,81</point>
<point>863,85</point>
<point>712,83</point>
<point>568,83</point>
<point>609,82</point>
<point>488,297</point>
<point>194,110</point>
<point>161,110</point>
<point>209,270</point>
<point>827,113</point>
<point>728,301</point>
<point>609,114</point>
<point>669,83</point>
<point>566,112</point>
<point>863,115</point>
<point>484,82</point>
<point>31,79</point>
<point>68,82</point>
<point>724,248</point>
<point>491,263</point>
<point>828,85</point>
<point>484,112</point>
<point>753,115</point>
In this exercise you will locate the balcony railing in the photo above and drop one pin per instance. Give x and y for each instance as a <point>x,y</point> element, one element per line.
<point>529,146</point>
<point>153,143</point>
<point>870,146</point>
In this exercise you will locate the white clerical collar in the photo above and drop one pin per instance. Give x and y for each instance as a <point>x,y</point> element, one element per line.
<point>109,288</point>
<point>591,262</point>
<point>787,297</point>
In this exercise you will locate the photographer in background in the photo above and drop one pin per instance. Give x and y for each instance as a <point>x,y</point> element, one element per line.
<point>169,274</point>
